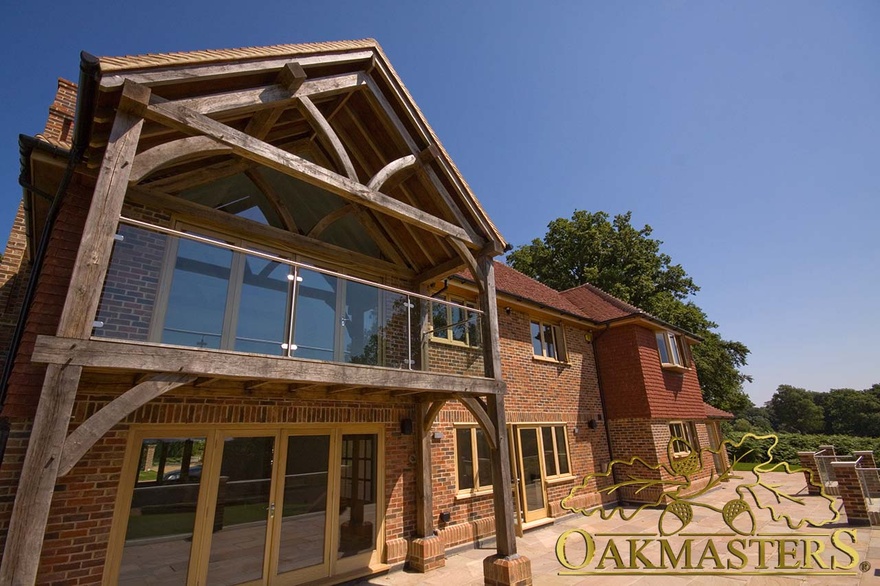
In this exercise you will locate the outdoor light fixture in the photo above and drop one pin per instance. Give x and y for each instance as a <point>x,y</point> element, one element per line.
<point>445,517</point>
<point>437,435</point>
<point>406,426</point>
<point>507,310</point>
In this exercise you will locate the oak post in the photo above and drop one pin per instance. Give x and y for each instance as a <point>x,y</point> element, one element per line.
<point>500,456</point>
<point>30,514</point>
<point>424,494</point>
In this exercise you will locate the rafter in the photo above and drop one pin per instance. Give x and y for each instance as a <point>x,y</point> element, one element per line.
<point>287,219</point>
<point>173,152</point>
<point>328,135</point>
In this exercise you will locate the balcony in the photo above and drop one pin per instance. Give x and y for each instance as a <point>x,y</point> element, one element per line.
<point>185,294</point>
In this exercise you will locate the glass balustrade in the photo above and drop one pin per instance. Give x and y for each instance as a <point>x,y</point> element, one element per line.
<point>187,289</point>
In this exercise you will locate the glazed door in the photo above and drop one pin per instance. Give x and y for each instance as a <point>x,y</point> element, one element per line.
<point>532,485</point>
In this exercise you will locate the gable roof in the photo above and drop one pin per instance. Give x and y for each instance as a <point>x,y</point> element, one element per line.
<point>600,305</point>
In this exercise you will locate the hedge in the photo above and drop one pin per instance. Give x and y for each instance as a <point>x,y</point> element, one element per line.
<point>792,443</point>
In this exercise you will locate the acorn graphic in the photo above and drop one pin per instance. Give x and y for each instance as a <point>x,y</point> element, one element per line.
<point>680,510</point>
<point>734,510</point>
<point>687,465</point>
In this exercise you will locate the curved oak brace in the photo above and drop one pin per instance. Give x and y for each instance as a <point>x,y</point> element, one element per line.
<point>465,254</point>
<point>326,132</point>
<point>478,410</point>
<point>85,436</point>
<point>272,196</point>
<point>431,415</point>
<point>327,220</point>
<point>393,168</point>
<point>171,152</point>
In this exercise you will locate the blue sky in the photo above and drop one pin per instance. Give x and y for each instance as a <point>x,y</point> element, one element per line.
<point>746,134</point>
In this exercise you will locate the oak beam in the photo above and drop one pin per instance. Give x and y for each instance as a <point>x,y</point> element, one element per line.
<point>328,135</point>
<point>93,256</point>
<point>269,96</point>
<point>222,70</point>
<point>250,148</point>
<point>203,362</point>
<point>329,219</point>
<point>33,497</point>
<point>173,152</point>
<point>291,76</point>
<point>444,269</point>
<point>470,261</point>
<point>93,429</point>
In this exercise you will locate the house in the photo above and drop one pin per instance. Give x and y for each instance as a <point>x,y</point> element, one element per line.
<point>263,339</point>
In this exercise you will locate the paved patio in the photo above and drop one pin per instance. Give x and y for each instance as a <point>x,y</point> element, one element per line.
<point>466,566</point>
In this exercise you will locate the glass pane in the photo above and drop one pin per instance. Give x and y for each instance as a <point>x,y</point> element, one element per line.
<point>304,512</point>
<point>315,329</point>
<point>550,341</point>
<point>163,512</point>
<point>549,458</point>
<point>440,320</point>
<point>459,330</point>
<point>661,347</point>
<point>537,347</point>
<point>361,324</point>
<point>484,467</point>
<point>534,486</point>
<point>396,344</point>
<point>357,498</point>
<point>197,302</point>
<point>562,450</point>
<point>132,285</point>
<point>673,347</point>
<point>263,306</point>
<point>474,333</point>
<point>238,544</point>
<point>465,455</point>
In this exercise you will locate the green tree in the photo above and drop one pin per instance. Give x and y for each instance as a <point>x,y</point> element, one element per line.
<point>851,412</point>
<point>627,263</point>
<point>792,410</point>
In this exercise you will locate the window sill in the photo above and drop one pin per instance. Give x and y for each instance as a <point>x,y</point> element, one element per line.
<point>464,496</point>
<point>674,368</point>
<point>447,342</point>
<point>549,360</point>
<point>560,479</point>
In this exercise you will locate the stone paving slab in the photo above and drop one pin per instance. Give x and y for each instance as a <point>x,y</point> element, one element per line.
<point>465,567</point>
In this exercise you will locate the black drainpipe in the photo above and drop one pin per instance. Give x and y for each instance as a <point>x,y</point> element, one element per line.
<point>602,401</point>
<point>89,70</point>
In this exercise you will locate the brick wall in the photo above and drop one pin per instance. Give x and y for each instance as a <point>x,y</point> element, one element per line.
<point>537,391</point>
<point>670,394</point>
<point>59,125</point>
<point>82,508</point>
<point>26,380</point>
<point>14,275</point>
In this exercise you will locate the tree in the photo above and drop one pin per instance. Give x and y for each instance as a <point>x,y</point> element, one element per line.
<point>851,412</point>
<point>792,410</point>
<point>627,263</point>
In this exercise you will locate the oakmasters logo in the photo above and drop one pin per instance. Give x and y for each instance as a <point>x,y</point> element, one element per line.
<point>708,525</point>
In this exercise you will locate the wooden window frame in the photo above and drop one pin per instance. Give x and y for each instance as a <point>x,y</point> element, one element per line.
<point>688,434</point>
<point>553,431</point>
<point>448,338</point>
<point>558,341</point>
<point>477,489</point>
<point>675,348</point>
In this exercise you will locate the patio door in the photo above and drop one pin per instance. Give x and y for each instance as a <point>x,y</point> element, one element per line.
<point>259,506</point>
<point>530,473</point>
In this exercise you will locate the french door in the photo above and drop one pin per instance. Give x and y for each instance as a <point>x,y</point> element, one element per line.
<point>531,477</point>
<point>248,506</point>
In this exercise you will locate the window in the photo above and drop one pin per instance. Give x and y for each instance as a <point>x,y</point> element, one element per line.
<point>555,448</point>
<point>455,324</point>
<point>673,350</point>
<point>547,341</point>
<point>472,460</point>
<point>682,432</point>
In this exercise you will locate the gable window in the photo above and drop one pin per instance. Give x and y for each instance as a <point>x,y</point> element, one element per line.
<point>547,341</point>
<point>684,434</point>
<point>455,324</point>
<point>474,468</point>
<point>673,350</point>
